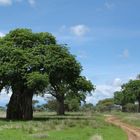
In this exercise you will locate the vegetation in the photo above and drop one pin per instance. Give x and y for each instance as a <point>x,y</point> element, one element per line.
<point>21,69</point>
<point>33,63</point>
<point>88,107</point>
<point>55,127</point>
<point>132,91</point>
<point>130,118</point>
<point>105,105</point>
<point>71,104</point>
<point>129,94</point>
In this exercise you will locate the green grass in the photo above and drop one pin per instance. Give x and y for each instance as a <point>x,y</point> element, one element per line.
<point>131,118</point>
<point>14,134</point>
<point>73,126</point>
<point>87,132</point>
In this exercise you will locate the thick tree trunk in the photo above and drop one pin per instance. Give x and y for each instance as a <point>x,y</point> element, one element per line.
<point>26,105</point>
<point>13,109</point>
<point>60,106</point>
<point>20,106</point>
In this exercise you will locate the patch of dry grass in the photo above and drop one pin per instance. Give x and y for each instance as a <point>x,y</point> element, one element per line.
<point>96,137</point>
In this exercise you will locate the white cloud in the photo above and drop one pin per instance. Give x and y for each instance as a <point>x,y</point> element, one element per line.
<point>4,97</point>
<point>79,30</point>
<point>40,99</point>
<point>10,2</point>
<point>125,53</point>
<point>73,34</point>
<point>5,2</point>
<point>32,2</point>
<point>117,82</point>
<point>109,5</point>
<point>105,91</point>
<point>2,34</point>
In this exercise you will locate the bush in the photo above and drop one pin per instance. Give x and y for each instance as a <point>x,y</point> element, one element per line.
<point>129,107</point>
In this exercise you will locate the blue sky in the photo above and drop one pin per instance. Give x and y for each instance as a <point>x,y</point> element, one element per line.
<point>103,34</point>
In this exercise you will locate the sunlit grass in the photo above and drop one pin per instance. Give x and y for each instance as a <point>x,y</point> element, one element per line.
<point>48,126</point>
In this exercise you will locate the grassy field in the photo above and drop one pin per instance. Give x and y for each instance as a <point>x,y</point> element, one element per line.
<point>131,118</point>
<point>48,126</point>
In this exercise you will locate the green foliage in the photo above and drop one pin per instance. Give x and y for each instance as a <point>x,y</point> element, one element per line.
<point>51,104</point>
<point>19,64</point>
<point>34,62</point>
<point>25,38</point>
<point>81,87</point>
<point>106,102</point>
<point>72,104</point>
<point>23,69</point>
<point>37,81</point>
<point>129,107</point>
<point>132,90</point>
<point>128,95</point>
<point>105,105</point>
<point>62,67</point>
<point>119,98</point>
<point>64,75</point>
<point>84,85</point>
<point>88,107</point>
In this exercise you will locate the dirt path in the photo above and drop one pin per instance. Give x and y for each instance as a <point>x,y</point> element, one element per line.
<point>132,132</point>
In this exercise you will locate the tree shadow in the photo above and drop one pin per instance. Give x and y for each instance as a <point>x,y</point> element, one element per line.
<point>47,117</point>
<point>57,118</point>
<point>3,119</point>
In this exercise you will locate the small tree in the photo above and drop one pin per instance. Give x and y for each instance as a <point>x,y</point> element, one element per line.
<point>119,99</point>
<point>105,104</point>
<point>72,104</point>
<point>132,91</point>
<point>129,107</point>
<point>88,107</point>
<point>51,104</point>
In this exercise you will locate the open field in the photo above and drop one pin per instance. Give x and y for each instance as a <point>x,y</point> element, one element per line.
<point>73,126</point>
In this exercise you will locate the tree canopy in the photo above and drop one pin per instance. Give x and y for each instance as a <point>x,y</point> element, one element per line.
<point>21,69</point>
<point>105,104</point>
<point>33,63</point>
<point>130,93</point>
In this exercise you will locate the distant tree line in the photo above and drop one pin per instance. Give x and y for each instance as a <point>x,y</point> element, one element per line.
<point>125,100</point>
<point>71,105</point>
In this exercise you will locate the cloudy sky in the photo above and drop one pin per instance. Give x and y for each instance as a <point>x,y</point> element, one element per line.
<point>103,34</point>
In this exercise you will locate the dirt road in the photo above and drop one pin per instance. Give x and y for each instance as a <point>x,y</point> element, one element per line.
<point>132,132</point>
